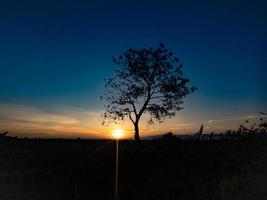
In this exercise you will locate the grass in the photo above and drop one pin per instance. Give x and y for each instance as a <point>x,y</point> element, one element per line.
<point>43,169</point>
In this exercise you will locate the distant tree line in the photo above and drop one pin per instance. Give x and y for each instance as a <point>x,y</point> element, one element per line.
<point>250,129</point>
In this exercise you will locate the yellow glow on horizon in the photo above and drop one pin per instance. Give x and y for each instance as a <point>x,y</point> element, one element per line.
<point>117,133</point>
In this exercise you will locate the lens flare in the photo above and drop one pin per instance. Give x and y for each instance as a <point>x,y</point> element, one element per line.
<point>117,133</point>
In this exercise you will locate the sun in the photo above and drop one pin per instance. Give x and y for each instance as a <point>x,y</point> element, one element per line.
<point>117,133</point>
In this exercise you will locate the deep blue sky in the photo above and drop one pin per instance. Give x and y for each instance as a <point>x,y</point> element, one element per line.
<point>55,54</point>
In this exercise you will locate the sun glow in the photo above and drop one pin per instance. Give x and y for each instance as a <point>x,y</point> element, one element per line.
<point>117,133</point>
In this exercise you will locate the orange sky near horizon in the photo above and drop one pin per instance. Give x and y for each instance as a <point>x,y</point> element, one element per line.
<point>21,120</point>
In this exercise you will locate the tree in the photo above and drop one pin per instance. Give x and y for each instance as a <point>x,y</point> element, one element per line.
<point>148,80</point>
<point>199,133</point>
<point>3,134</point>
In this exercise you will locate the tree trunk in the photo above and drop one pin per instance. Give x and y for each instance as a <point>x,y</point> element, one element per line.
<point>136,131</point>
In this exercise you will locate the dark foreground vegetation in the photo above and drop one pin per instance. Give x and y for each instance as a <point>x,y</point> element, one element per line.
<point>49,169</point>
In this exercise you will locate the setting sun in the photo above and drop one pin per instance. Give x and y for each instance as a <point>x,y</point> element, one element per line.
<point>117,133</point>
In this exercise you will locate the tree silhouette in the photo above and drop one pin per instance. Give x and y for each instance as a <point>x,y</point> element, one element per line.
<point>3,134</point>
<point>148,80</point>
<point>199,133</point>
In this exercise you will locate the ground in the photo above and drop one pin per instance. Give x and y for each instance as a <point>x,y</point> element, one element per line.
<point>54,169</point>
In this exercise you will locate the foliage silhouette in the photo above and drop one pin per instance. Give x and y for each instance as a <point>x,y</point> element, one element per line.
<point>251,128</point>
<point>169,136</point>
<point>3,134</point>
<point>148,81</point>
<point>199,133</point>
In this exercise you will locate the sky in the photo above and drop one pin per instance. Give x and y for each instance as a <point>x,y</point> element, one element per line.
<point>54,56</point>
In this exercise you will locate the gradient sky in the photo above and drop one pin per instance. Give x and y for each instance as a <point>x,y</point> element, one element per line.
<point>54,56</point>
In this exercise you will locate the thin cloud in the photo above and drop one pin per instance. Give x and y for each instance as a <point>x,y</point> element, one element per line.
<point>23,119</point>
<point>28,114</point>
<point>239,118</point>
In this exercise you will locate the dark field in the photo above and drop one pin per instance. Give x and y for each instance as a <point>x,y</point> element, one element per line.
<point>84,169</point>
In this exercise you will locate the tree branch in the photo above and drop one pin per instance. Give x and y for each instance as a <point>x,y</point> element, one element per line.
<point>130,116</point>
<point>134,108</point>
<point>157,97</point>
<point>145,104</point>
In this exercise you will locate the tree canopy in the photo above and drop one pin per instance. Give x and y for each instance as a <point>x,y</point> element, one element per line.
<point>148,80</point>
